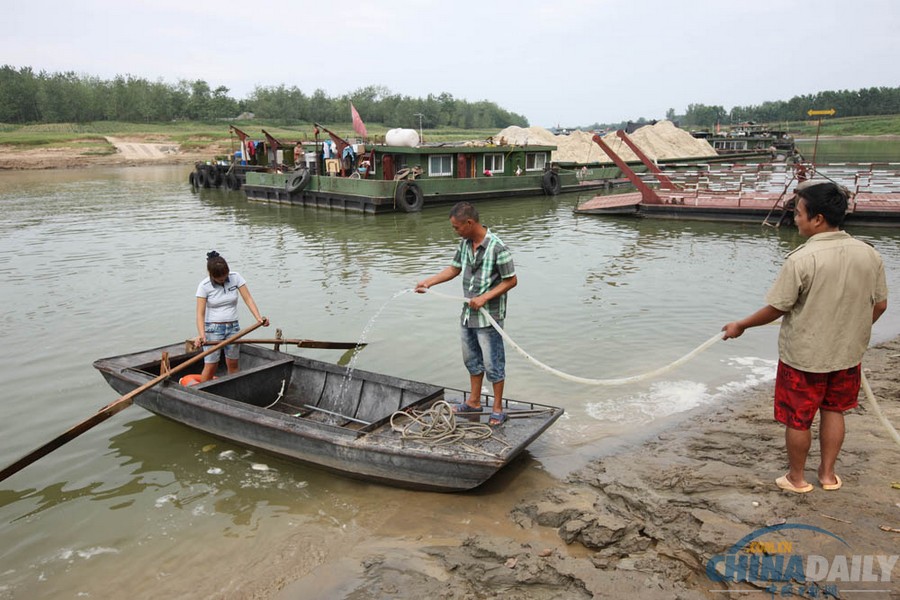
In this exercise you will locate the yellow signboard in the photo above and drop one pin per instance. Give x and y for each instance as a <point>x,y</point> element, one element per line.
<point>830,112</point>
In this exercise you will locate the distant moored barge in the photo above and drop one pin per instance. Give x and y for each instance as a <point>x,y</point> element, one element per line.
<point>389,177</point>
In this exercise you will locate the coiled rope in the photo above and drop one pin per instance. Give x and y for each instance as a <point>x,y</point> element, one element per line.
<point>586,380</point>
<point>439,426</point>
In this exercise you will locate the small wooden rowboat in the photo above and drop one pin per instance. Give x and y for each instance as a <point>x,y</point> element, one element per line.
<point>311,411</point>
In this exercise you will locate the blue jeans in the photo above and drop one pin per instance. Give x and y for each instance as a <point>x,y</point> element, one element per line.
<point>216,332</point>
<point>483,352</point>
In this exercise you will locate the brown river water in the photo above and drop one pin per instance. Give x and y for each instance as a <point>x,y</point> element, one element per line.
<point>99,262</point>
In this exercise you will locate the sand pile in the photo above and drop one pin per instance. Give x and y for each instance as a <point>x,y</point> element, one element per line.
<point>660,141</point>
<point>527,136</point>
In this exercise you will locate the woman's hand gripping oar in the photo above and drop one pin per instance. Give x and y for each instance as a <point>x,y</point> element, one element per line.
<point>112,408</point>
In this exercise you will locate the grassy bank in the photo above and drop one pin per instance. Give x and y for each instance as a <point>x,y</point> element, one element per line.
<point>846,126</point>
<point>192,134</point>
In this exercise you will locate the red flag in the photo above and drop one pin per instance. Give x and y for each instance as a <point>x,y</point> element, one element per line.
<point>358,125</point>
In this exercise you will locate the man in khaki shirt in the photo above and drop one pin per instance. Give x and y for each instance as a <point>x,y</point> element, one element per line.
<point>830,291</point>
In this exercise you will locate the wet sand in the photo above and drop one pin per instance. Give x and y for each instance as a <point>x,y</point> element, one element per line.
<point>640,522</point>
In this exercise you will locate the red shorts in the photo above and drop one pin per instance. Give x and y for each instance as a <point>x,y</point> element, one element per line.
<point>799,394</point>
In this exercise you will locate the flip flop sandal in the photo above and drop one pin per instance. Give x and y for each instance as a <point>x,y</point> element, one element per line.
<point>833,486</point>
<point>784,483</point>
<point>497,419</point>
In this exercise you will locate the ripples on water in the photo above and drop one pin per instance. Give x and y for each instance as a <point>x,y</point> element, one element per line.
<point>100,262</point>
<point>115,256</point>
<point>109,260</point>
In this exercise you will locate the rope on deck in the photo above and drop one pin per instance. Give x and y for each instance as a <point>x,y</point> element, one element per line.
<point>438,426</point>
<point>280,395</point>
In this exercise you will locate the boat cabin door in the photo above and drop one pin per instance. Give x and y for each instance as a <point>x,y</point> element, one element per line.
<point>387,167</point>
<point>465,166</point>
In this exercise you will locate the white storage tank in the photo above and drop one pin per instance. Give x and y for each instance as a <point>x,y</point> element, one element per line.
<point>402,137</point>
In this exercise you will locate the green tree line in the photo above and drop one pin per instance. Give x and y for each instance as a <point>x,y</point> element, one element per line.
<point>29,97</point>
<point>866,102</point>
<point>377,104</point>
<point>846,103</point>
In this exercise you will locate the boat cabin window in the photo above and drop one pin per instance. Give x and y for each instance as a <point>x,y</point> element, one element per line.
<point>730,145</point>
<point>535,161</point>
<point>401,162</point>
<point>493,163</point>
<point>440,165</point>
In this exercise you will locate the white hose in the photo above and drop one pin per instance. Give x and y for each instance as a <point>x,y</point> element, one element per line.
<point>587,380</point>
<point>887,425</point>
<point>635,378</point>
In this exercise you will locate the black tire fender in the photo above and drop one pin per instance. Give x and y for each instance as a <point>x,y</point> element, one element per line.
<point>550,183</point>
<point>215,176</point>
<point>192,179</point>
<point>409,196</point>
<point>232,182</point>
<point>202,179</point>
<point>297,181</point>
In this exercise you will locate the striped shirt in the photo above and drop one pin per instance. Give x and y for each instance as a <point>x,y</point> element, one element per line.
<point>482,269</point>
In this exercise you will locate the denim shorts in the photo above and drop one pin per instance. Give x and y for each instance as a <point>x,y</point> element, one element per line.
<point>483,352</point>
<point>216,332</point>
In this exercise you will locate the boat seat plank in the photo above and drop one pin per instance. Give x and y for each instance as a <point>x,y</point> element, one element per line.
<point>408,400</point>
<point>259,386</point>
<point>378,400</point>
<point>307,386</point>
<point>341,395</point>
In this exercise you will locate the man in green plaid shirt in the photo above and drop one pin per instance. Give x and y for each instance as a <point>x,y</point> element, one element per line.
<point>488,273</point>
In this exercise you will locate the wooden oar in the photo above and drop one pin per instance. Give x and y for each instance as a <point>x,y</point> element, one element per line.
<point>304,343</point>
<point>112,408</point>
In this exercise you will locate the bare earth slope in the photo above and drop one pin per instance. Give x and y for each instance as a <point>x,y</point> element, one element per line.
<point>129,152</point>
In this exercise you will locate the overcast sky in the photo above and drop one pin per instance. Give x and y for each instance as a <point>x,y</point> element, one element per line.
<point>563,62</point>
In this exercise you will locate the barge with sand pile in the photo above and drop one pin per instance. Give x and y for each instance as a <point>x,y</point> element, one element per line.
<point>405,175</point>
<point>874,193</point>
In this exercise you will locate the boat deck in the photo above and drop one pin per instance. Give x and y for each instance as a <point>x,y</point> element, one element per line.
<point>319,414</point>
<point>753,193</point>
<point>385,433</point>
<point>762,193</point>
<point>880,209</point>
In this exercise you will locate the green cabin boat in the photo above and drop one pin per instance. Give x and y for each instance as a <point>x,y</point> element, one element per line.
<point>750,138</point>
<point>378,178</point>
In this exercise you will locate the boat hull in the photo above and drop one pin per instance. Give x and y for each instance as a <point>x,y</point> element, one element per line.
<point>378,196</point>
<point>870,209</point>
<point>352,436</point>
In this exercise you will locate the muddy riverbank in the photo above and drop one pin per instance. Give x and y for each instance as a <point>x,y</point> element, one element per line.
<point>644,522</point>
